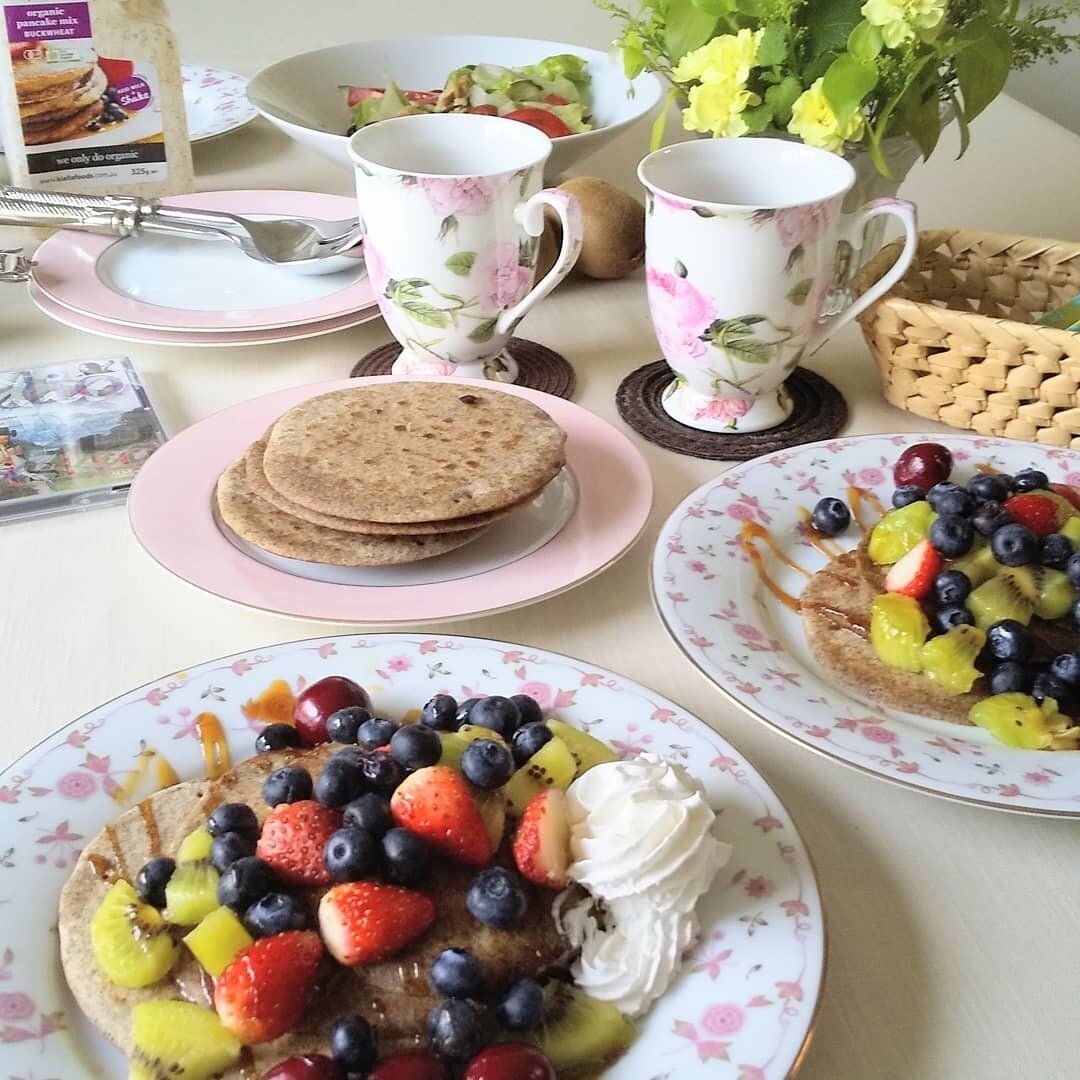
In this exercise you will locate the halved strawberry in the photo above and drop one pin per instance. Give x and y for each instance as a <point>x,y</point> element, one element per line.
<point>262,993</point>
<point>363,922</point>
<point>542,841</point>
<point>1067,491</point>
<point>437,803</point>
<point>914,574</point>
<point>1040,514</point>
<point>293,838</point>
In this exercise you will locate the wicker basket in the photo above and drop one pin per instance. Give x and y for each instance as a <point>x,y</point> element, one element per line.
<point>955,339</point>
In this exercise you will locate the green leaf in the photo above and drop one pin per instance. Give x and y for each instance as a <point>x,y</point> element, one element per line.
<point>461,263</point>
<point>715,8</point>
<point>449,224</point>
<point>484,332</point>
<point>781,97</point>
<point>753,8</point>
<point>981,70</point>
<point>424,313</point>
<point>773,45</point>
<point>847,82</point>
<point>794,258</point>
<point>758,118</point>
<point>864,42</point>
<point>687,29</point>
<point>798,293</point>
<point>920,113</point>
<point>961,123</point>
<point>828,26</point>
<point>656,136</point>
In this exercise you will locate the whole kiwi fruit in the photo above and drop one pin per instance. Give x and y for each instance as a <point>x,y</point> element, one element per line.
<point>614,227</point>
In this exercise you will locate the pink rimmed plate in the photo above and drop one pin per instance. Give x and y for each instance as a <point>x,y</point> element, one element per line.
<point>751,644</point>
<point>197,286</point>
<point>743,1007</point>
<point>172,516</point>
<point>216,102</point>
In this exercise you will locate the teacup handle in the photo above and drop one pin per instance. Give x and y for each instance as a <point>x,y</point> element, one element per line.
<point>901,209</point>
<point>530,216</point>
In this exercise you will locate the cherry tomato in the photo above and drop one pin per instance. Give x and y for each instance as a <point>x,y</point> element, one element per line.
<point>548,123</point>
<point>362,93</point>
<point>483,110</point>
<point>422,97</point>
<point>554,99</point>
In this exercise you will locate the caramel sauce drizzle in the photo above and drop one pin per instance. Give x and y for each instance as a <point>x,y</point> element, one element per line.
<point>215,748</point>
<point>857,496</point>
<point>274,705</point>
<point>828,547</point>
<point>118,852</point>
<point>153,837</point>
<point>102,867</point>
<point>752,531</point>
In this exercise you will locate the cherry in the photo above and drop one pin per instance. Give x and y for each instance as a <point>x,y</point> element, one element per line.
<point>923,465</point>
<point>313,1067</point>
<point>316,702</point>
<point>510,1061</point>
<point>409,1065</point>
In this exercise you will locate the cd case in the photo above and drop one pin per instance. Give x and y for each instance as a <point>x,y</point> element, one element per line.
<point>72,436</point>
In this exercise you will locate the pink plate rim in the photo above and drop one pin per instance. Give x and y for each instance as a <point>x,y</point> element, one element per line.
<point>170,511</point>
<point>66,271</point>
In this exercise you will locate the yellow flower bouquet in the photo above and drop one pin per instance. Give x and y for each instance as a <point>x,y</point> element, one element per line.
<point>836,73</point>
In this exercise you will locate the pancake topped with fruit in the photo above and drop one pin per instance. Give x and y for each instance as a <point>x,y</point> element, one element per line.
<point>961,603</point>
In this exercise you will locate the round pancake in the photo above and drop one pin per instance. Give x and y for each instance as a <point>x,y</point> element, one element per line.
<point>258,522</point>
<point>412,451</point>
<point>256,478</point>
<point>63,105</point>
<point>30,97</point>
<point>70,128</point>
<point>32,76</point>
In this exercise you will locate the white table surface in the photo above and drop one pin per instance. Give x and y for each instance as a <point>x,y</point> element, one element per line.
<point>953,941</point>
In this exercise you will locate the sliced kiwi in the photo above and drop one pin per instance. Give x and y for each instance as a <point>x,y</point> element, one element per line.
<point>217,939</point>
<point>898,629</point>
<point>949,660</point>
<point>1015,720</point>
<point>978,564</point>
<point>195,847</point>
<point>1054,594</point>
<point>191,893</point>
<point>176,1040</point>
<point>553,765</point>
<point>579,1033</point>
<point>1008,595</point>
<point>1071,529</point>
<point>899,531</point>
<point>130,939</point>
<point>492,807</point>
<point>587,749</point>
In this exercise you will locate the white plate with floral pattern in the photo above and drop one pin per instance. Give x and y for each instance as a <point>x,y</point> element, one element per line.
<point>744,1005</point>
<point>749,641</point>
<point>216,102</point>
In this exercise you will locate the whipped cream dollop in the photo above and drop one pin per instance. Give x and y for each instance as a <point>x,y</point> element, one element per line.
<point>642,843</point>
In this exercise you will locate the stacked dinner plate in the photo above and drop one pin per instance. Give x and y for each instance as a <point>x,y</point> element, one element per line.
<point>178,291</point>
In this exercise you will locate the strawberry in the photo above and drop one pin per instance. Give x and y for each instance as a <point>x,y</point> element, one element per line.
<point>542,840</point>
<point>293,838</point>
<point>914,574</point>
<point>1067,492</point>
<point>261,994</point>
<point>1040,514</point>
<point>437,804</point>
<point>363,922</point>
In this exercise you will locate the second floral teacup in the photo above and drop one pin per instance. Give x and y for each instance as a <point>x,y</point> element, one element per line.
<point>740,245</point>
<point>452,214</point>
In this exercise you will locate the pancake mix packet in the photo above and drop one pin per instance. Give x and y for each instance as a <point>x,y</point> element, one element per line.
<point>91,98</point>
<point>72,436</point>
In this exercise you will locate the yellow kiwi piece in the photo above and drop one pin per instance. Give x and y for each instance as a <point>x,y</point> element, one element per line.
<point>613,222</point>
<point>1007,595</point>
<point>580,1033</point>
<point>195,847</point>
<point>130,940</point>
<point>217,939</point>
<point>191,893</point>
<point>177,1040</point>
<point>898,630</point>
<point>553,765</point>
<point>492,807</point>
<point>587,749</point>
<point>949,659</point>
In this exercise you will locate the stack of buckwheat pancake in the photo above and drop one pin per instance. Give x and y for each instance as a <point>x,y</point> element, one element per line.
<point>56,99</point>
<point>388,474</point>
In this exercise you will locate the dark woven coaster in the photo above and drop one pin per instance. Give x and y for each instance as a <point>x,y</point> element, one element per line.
<point>819,413</point>
<point>539,368</point>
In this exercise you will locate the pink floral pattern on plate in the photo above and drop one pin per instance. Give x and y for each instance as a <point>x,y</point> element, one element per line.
<point>742,1008</point>
<point>216,102</point>
<point>732,628</point>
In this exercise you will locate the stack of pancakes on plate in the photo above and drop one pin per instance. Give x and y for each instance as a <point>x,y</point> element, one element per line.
<point>56,100</point>
<point>388,474</point>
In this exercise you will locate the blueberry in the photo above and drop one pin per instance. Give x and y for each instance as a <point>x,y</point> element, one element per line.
<point>1066,667</point>
<point>1072,568</point>
<point>275,913</point>
<point>528,739</point>
<point>464,711</point>
<point>381,772</point>
<point>339,783</point>
<point>989,517</point>
<point>951,587</point>
<point>498,713</point>
<point>276,737</point>
<point>496,898</point>
<point>245,882</point>
<point>522,1006</point>
<point>371,812</point>
<point>952,615</point>
<point>288,784</point>
<point>228,847</point>
<point>440,713</point>
<point>529,711</point>
<point>415,746</point>
<point>376,732</point>
<point>952,535</point>
<point>1048,686</point>
<point>454,1029</point>
<point>1014,545</point>
<point>407,857</point>
<point>1055,551</point>
<point>1030,480</point>
<point>830,516</point>
<point>351,755</point>
<point>487,763</point>
<point>233,817</point>
<point>151,880</point>
<point>990,487</point>
<point>1010,677</point>
<point>457,973</point>
<point>906,495</point>
<point>950,498</point>
<point>351,854</point>
<point>343,725</point>
<point>1072,620</point>
<point>352,1044</point>
<point>1009,640</point>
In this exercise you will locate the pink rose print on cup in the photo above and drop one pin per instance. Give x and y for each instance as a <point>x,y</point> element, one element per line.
<point>722,1019</point>
<point>724,408</point>
<point>409,363</point>
<point>459,194</point>
<point>15,1007</point>
<point>803,224</point>
<point>503,280</point>
<point>378,274</point>
<point>680,315</point>
<point>76,785</point>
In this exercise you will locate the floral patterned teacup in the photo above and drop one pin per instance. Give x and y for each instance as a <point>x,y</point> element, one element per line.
<point>452,214</point>
<point>740,244</point>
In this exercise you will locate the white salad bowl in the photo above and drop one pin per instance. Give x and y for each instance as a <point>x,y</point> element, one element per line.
<point>303,95</point>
